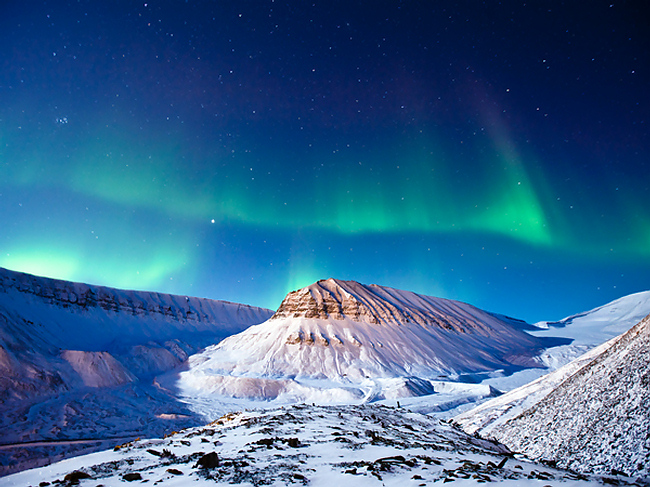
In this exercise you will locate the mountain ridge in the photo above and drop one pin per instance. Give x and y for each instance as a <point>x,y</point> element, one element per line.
<point>77,361</point>
<point>338,299</point>
<point>202,312</point>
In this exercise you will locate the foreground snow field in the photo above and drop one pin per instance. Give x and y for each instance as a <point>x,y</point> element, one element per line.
<point>307,445</point>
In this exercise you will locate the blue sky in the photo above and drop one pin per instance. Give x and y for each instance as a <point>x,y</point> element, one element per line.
<point>494,154</point>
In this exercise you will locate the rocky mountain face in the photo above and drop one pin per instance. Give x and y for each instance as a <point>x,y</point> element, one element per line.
<point>338,300</point>
<point>354,335</point>
<point>61,343</point>
<point>589,416</point>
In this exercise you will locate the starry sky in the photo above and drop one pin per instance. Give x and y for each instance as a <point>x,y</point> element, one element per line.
<point>491,152</point>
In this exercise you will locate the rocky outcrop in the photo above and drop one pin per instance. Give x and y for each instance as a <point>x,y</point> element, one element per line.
<point>325,299</point>
<point>336,299</point>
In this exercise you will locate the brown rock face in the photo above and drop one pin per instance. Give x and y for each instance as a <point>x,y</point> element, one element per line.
<point>336,299</point>
<point>323,302</point>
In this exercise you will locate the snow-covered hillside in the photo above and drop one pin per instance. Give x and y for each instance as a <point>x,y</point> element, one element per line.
<point>590,415</point>
<point>585,331</point>
<point>62,342</point>
<point>307,445</point>
<point>341,341</point>
<point>592,328</point>
<point>55,334</point>
<point>598,325</point>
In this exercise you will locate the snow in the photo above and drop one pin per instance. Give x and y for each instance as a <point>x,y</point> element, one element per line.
<point>587,330</point>
<point>309,445</point>
<point>594,327</point>
<point>341,341</point>
<point>95,318</point>
<point>97,369</point>
<point>499,410</point>
<point>83,368</point>
<point>78,361</point>
<point>590,415</point>
<point>592,332</point>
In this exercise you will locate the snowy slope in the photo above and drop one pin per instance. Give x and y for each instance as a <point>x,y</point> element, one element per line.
<point>586,331</point>
<point>592,328</point>
<point>50,330</point>
<point>600,324</point>
<point>61,311</point>
<point>62,342</point>
<point>591,415</point>
<point>307,445</point>
<point>341,341</point>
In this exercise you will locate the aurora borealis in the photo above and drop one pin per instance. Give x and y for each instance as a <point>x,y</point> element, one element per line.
<point>493,153</point>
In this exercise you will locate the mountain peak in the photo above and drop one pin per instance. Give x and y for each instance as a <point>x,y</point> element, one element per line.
<point>346,332</point>
<point>327,298</point>
<point>338,299</point>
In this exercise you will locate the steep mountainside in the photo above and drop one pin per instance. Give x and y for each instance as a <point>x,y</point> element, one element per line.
<point>349,334</point>
<point>590,415</point>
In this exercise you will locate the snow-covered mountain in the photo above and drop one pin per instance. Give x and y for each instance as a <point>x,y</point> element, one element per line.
<point>341,341</point>
<point>85,367</point>
<point>604,322</point>
<point>55,335</point>
<point>584,331</point>
<point>590,415</point>
<point>61,343</point>
<point>319,446</point>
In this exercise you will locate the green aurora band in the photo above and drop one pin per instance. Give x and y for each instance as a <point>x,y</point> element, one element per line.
<point>389,189</point>
<point>415,184</point>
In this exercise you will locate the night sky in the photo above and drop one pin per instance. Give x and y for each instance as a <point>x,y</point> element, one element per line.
<point>495,153</point>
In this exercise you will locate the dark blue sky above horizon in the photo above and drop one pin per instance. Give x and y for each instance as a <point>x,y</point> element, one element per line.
<point>495,153</point>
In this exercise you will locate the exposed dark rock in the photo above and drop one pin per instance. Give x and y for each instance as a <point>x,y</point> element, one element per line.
<point>131,477</point>
<point>293,442</point>
<point>76,476</point>
<point>208,461</point>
